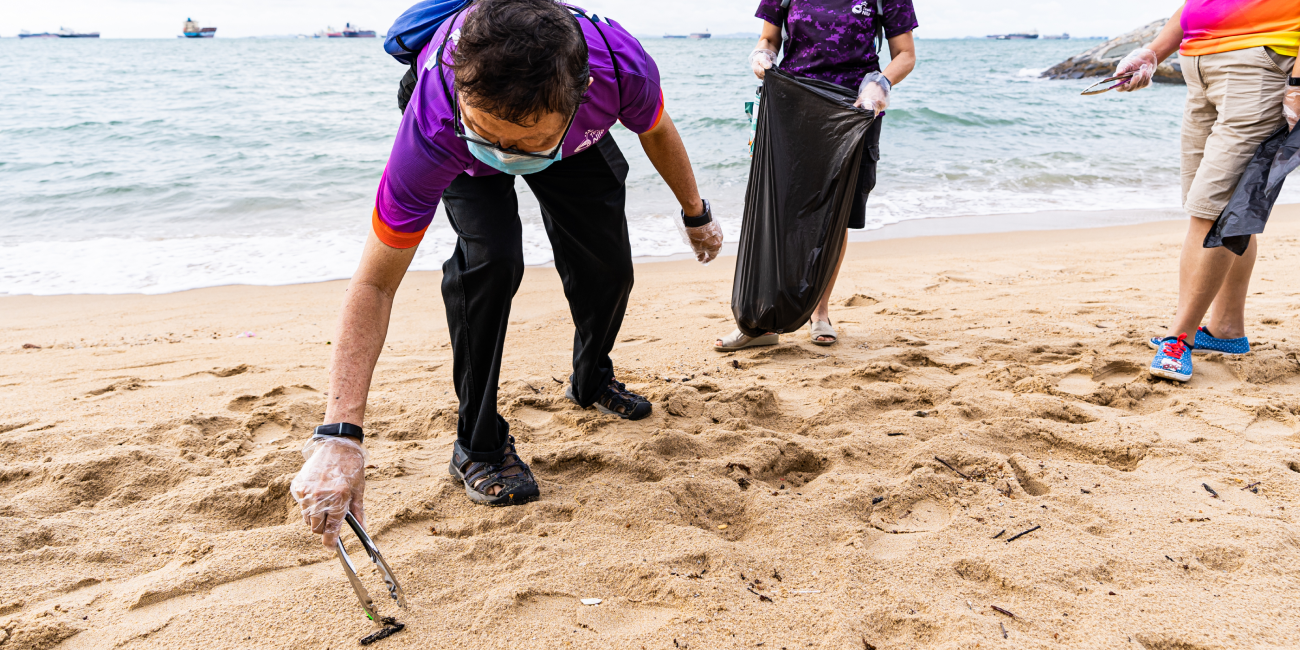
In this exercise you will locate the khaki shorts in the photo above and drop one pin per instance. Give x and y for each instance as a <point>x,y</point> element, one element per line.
<point>1234,102</point>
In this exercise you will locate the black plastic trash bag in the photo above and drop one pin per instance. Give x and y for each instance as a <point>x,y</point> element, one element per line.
<point>802,185</point>
<point>1256,192</point>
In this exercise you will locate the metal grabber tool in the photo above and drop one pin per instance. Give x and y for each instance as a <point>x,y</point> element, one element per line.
<point>394,589</point>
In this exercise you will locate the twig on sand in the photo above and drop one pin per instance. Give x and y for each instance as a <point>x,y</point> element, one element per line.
<point>760,596</point>
<point>1022,534</point>
<point>1252,486</point>
<point>1002,611</point>
<point>391,627</point>
<point>1210,490</point>
<point>1004,630</point>
<point>1000,534</point>
<point>959,472</point>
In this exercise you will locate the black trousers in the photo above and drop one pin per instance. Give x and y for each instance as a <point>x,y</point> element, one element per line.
<point>582,199</point>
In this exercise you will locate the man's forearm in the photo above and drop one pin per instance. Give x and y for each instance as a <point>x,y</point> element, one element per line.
<point>663,146</point>
<point>363,326</point>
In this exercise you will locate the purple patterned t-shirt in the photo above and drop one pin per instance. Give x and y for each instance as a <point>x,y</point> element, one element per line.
<point>835,40</point>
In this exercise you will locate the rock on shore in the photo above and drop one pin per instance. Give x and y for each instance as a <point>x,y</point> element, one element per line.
<point>1100,61</point>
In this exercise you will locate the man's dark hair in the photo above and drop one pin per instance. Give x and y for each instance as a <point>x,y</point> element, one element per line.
<point>518,60</point>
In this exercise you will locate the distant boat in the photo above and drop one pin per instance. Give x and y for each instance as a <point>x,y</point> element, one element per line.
<point>192,30</point>
<point>63,32</point>
<point>1014,37</point>
<point>674,36</point>
<point>1062,37</point>
<point>704,34</point>
<point>329,33</point>
<point>353,32</point>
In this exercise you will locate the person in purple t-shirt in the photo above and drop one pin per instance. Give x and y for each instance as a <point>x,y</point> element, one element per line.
<point>505,88</point>
<point>835,41</point>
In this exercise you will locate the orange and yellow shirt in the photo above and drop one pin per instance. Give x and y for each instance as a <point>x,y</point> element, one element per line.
<point>1214,26</point>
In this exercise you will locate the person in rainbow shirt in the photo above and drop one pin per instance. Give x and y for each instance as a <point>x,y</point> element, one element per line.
<point>1243,84</point>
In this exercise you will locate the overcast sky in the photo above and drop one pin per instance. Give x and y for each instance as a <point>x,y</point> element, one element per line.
<point>234,18</point>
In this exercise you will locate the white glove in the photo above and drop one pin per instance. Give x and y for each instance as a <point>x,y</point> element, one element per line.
<point>706,240</point>
<point>873,92</point>
<point>1142,63</point>
<point>1291,105</point>
<point>762,61</point>
<point>330,484</point>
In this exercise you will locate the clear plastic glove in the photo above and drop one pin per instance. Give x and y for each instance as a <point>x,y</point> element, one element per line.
<point>330,484</point>
<point>762,61</point>
<point>705,240</point>
<point>1142,63</point>
<point>1291,105</point>
<point>873,93</point>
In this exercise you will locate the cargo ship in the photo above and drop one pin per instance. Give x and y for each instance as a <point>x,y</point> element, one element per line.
<point>353,32</point>
<point>1014,37</point>
<point>192,30</point>
<point>703,34</point>
<point>63,32</point>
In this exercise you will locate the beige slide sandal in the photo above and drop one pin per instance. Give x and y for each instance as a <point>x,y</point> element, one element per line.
<point>823,328</point>
<point>738,340</point>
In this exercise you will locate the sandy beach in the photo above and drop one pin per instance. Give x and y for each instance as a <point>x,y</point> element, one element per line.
<point>861,496</point>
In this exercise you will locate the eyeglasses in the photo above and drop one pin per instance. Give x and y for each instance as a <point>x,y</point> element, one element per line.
<point>461,133</point>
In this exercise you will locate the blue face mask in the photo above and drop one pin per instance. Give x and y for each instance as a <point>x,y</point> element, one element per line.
<point>509,163</point>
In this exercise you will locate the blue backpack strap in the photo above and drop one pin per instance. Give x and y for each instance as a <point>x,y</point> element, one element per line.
<point>416,27</point>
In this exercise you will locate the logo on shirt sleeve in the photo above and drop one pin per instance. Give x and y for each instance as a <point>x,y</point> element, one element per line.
<point>590,137</point>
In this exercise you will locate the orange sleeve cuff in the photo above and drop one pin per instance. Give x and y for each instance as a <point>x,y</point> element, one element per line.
<point>660,116</point>
<point>392,237</point>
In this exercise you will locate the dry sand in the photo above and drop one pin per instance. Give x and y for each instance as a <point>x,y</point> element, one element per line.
<point>787,497</point>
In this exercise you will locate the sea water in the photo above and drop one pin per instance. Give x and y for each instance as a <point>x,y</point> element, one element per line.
<point>162,165</point>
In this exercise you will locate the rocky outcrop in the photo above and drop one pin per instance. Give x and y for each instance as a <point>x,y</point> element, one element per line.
<point>1100,61</point>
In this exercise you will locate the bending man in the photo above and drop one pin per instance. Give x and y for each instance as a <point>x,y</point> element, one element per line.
<point>506,88</point>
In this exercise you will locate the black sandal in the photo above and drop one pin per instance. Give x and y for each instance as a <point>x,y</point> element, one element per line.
<point>518,486</point>
<point>616,399</point>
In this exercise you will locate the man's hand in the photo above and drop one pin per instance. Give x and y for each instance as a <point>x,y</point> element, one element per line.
<point>1291,106</point>
<point>761,61</point>
<point>705,240</point>
<point>330,484</point>
<point>1142,63</point>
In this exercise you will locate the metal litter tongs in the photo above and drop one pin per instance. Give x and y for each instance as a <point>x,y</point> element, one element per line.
<point>1094,90</point>
<point>394,589</point>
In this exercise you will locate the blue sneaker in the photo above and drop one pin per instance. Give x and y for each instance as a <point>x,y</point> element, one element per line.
<point>1206,342</point>
<point>1173,359</point>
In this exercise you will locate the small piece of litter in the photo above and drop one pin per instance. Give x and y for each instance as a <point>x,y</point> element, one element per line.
<point>1210,490</point>
<point>722,526</point>
<point>247,335</point>
<point>591,601</point>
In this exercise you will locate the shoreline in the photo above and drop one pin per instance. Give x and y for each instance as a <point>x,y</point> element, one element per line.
<point>907,229</point>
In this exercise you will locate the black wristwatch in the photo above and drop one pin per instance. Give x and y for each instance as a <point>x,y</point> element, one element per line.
<point>340,430</point>
<point>702,220</point>
<point>1293,81</point>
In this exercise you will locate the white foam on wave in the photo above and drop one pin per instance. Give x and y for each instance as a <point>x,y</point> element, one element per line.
<point>162,265</point>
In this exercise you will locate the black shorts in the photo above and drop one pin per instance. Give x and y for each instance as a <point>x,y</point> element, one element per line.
<point>867,175</point>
